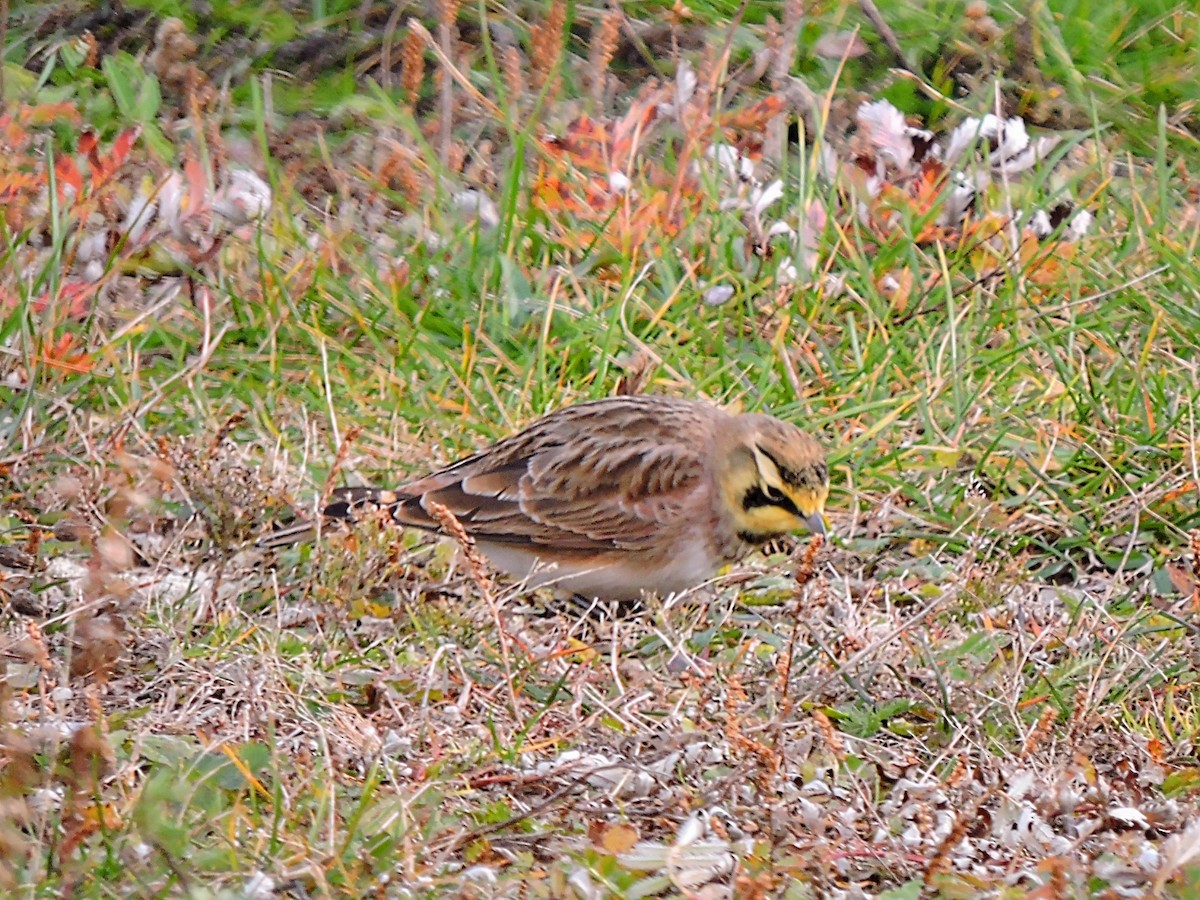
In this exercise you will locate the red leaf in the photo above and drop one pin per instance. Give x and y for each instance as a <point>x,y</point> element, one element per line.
<point>90,145</point>
<point>197,182</point>
<point>68,175</point>
<point>103,168</point>
<point>75,298</point>
<point>88,142</point>
<point>122,145</point>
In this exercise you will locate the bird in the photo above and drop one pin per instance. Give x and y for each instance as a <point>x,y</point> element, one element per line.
<point>615,498</point>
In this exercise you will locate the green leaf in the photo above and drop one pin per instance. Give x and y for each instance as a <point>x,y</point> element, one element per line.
<point>160,798</point>
<point>121,70</point>
<point>135,90</point>
<point>910,890</point>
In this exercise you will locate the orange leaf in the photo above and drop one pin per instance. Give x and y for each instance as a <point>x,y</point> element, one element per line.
<point>14,135</point>
<point>756,116</point>
<point>585,144</point>
<point>618,838</point>
<point>634,126</point>
<point>62,355</point>
<point>45,113</point>
<point>1180,578</point>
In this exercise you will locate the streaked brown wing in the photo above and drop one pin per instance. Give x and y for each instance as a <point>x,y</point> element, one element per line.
<point>598,476</point>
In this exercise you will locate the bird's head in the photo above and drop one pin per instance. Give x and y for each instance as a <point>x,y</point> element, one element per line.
<point>774,480</point>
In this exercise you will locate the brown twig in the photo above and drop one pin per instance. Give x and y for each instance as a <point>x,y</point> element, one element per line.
<point>1044,724</point>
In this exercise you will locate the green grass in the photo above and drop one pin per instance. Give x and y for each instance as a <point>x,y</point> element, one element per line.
<point>1009,596</point>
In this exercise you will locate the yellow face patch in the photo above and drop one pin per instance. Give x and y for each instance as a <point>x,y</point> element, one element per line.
<point>765,513</point>
<point>769,521</point>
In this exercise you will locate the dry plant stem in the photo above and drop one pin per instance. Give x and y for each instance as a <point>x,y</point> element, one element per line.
<point>3,43</point>
<point>565,791</point>
<point>446,39</point>
<point>844,669</point>
<point>483,580</point>
<point>704,93</point>
<point>1195,543</point>
<point>454,71</point>
<point>412,67</point>
<point>793,19</point>
<point>546,47</point>
<point>871,11</point>
<point>804,574</point>
<point>208,346</point>
<point>339,461</point>
<point>389,40</point>
<point>223,432</point>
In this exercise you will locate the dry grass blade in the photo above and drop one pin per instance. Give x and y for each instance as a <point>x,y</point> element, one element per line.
<point>457,74</point>
<point>482,576</point>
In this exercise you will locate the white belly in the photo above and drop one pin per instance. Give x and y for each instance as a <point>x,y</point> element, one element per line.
<point>620,579</point>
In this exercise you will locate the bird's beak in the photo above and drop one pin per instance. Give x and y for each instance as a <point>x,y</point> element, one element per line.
<point>816,523</point>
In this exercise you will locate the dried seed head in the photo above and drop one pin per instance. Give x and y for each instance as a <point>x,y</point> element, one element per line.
<point>546,42</point>
<point>513,64</point>
<point>457,157</point>
<point>604,45</point>
<point>832,739</point>
<point>1040,731</point>
<point>448,12</point>
<point>412,66</point>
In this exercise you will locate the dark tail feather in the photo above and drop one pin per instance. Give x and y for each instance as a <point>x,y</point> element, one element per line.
<point>346,505</point>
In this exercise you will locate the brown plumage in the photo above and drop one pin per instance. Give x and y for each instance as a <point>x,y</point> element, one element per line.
<point>614,497</point>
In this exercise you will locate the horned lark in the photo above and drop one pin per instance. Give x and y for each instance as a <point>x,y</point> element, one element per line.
<point>614,497</point>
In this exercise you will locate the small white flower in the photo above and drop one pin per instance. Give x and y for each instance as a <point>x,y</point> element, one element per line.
<point>259,886</point>
<point>761,198</point>
<point>967,133</point>
<point>787,273</point>
<point>141,213</point>
<point>1128,815</point>
<point>581,883</point>
<point>691,830</point>
<point>92,246</point>
<point>170,202</point>
<point>685,84</point>
<point>243,198</point>
<point>718,294</point>
<point>478,204</point>
<point>885,129</point>
<point>1080,225</point>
